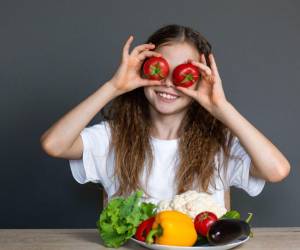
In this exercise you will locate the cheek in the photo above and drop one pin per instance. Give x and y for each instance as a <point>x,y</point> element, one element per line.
<point>148,91</point>
<point>186,100</point>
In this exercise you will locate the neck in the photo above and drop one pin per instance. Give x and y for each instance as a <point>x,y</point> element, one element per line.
<point>165,127</point>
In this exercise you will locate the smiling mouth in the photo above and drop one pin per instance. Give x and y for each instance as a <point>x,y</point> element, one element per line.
<point>166,96</point>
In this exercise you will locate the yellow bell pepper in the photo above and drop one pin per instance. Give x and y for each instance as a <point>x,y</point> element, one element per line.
<point>174,228</point>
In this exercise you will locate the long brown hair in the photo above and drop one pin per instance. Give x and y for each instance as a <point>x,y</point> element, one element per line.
<point>201,135</point>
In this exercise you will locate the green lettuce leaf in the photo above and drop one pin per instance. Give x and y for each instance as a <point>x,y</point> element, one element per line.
<point>119,220</point>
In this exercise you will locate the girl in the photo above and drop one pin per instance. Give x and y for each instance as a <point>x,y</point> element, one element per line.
<point>196,141</point>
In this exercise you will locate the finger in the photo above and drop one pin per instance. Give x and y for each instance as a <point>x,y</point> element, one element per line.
<point>187,91</point>
<point>141,48</point>
<point>202,59</point>
<point>213,64</point>
<point>203,68</point>
<point>127,46</point>
<point>145,54</point>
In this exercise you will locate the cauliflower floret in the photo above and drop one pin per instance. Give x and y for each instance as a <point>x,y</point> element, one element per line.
<point>164,205</point>
<point>192,203</point>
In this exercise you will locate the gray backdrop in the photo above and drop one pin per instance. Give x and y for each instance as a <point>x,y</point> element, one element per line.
<point>54,54</point>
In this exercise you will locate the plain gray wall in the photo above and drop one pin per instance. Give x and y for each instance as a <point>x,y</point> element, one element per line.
<point>54,54</point>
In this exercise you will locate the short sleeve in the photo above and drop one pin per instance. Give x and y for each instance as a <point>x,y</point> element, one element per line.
<point>238,172</point>
<point>92,166</point>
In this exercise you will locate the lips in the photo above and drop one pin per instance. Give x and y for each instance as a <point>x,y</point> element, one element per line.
<point>166,97</point>
<point>168,93</point>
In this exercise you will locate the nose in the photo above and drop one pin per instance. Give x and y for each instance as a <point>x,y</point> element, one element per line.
<point>168,82</point>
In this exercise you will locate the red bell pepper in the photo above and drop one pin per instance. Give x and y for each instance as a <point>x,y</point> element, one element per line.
<point>144,228</point>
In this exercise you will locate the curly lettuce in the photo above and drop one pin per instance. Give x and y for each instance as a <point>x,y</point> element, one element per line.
<point>119,220</point>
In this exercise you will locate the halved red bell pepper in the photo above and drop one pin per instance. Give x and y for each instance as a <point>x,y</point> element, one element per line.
<point>144,228</point>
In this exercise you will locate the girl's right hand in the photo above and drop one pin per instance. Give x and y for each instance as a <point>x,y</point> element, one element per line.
<point>128,76</point>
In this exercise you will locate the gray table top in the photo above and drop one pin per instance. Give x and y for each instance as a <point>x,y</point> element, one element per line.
<point>88,239</point>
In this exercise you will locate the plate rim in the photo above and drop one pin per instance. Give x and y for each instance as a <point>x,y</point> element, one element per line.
<point>233,244</point>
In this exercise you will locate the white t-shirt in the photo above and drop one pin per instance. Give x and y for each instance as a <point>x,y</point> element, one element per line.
<point>97,166</point>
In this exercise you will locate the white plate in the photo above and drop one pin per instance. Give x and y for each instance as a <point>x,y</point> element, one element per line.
<point>204,247</point>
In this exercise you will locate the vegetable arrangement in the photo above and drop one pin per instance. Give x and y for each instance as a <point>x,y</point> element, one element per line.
<point>124,218</point>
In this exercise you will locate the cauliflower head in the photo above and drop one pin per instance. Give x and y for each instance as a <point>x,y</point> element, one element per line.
<point>192,203</point>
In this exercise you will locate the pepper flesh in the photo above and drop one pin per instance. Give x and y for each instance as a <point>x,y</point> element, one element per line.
<point>144,228</point>
<point>174,228</point>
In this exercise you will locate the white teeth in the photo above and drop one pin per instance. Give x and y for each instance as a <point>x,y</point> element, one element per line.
<point>167,96</point>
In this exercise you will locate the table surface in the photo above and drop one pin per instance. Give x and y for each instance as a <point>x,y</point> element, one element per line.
<point>88,239</point>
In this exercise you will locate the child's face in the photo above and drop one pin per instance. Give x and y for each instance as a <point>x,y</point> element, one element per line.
<point>175,54</point>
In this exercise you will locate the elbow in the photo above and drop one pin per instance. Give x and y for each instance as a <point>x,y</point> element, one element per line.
<point>50,147</point>
<point>282,171</point>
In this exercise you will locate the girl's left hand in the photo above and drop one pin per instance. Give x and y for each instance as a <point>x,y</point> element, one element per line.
<point>210,92</point>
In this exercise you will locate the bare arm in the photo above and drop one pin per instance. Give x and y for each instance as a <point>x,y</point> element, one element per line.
<point>63,138</point>
<point>267,162</point>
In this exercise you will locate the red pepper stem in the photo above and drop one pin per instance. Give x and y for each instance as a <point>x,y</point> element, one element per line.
<point>249,217</point>
<point>154,232</point>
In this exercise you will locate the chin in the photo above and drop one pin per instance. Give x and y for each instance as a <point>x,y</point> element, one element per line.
<point>166,111</point>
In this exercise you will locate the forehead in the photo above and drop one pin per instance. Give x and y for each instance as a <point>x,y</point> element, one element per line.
<point>177,53</point>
